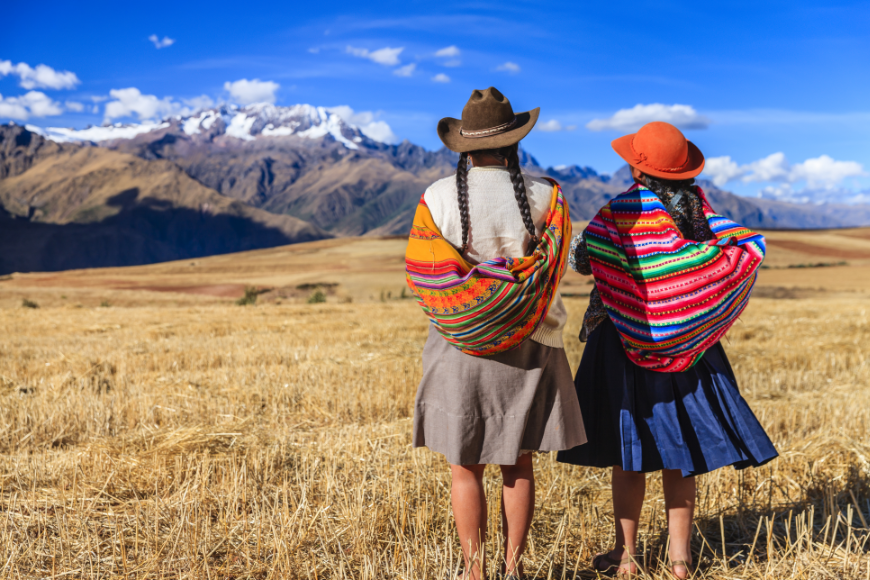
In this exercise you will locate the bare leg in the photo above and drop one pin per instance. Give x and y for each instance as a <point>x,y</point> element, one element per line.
<point>629,488</point>
<point>469,511</point>
<point>518,507</point>
<point>680,503</point>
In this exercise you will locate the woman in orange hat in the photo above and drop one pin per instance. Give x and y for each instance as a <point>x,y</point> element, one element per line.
<point>656,390</point>
<point>485,256</point>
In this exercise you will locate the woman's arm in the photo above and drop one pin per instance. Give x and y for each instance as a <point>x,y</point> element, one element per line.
<point>578,255</point>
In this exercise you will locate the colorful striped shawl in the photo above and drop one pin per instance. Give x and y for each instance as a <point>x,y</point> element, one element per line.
<point>670,298</point>
<point>494,306</point>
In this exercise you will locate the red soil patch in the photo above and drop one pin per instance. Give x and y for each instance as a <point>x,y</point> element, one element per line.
<point>805,248</point>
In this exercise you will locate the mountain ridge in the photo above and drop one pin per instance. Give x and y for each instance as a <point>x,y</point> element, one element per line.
<point>270,175</point>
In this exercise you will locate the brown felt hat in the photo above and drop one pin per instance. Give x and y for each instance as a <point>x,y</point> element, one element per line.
<point>488,122</point>
<point>660,149</point>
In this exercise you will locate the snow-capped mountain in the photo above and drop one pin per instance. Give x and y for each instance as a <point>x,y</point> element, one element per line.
<point>247,123</point>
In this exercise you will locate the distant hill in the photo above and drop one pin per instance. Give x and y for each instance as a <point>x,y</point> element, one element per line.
<point>72,206</point>
<point>229,179</point>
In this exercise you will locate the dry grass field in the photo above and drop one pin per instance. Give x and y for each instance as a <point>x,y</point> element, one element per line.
<point>172,433</point>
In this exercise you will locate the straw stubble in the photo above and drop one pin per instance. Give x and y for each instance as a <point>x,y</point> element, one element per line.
<point>274,442</point>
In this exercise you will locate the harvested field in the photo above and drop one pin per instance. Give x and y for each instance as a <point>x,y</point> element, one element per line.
<point>178,435</point>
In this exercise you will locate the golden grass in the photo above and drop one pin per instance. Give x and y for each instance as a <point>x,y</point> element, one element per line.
<point>367,268</point>
<point>215,441</point>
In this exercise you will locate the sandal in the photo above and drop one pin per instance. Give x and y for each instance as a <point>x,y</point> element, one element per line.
<point>614,564</point>
<point>686,565</point>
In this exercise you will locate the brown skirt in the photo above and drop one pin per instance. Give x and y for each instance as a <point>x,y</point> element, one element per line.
<point>477,410</point>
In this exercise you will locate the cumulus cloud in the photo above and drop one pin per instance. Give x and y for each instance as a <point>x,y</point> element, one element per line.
<point>245,92</point>
<point>510,67</point>
<point>448,52</point>
<point>367,122</point>
<point>549,126</point>
<point>161,42</point>
<point>30,104</point>
<point>818,172</point>
<point>200,102</point>
<point>131,101</point>
<point>441,78</point>
<point>682,116</point>
<point>41,77</point>
<point>386,56</point>
<point>405,71</point>
<point>74,106</point>
<point>552,126</point>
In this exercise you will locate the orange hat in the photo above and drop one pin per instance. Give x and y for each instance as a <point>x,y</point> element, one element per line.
<point>660,149</point>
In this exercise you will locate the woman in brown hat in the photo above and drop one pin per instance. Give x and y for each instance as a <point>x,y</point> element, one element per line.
<point>656,390</point>
<point>511,396</point>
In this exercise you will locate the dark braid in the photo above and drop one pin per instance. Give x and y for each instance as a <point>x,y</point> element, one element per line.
<point>462,194</point>
<point>520,193</point>
<point>510,154</point>
<point>668,188</point>
<point>688,213</point>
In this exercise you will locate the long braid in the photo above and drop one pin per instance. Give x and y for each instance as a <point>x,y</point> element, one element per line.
<point>520,194</point>
<point>462,194</point>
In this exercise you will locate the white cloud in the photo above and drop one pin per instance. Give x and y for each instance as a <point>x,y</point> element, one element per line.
<point>510,67</point>
<point>131,101</point>
<point>161,43</point>
<point>453,63</point>
<point>721,170</point>
<point>386,56</point>
<point>12,108</point>
<point>367,123</point>
<point>448,51</point>
<point>314,50</point>
<point>552,126</point>
<point>200,102</point>
<point>682,116</point>
<point>549,126</point>
<point>822,175</point>
<point>826,172</point>
<point>30,104</point>
<point>41,77</point>
<point>405,71</point>
<point>245,92</point>
<point>441,78</point>
<point>74,106</point>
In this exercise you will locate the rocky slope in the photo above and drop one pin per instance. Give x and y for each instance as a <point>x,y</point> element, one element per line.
<point>233,178</point>
<point>309,163</point>
<point>73,206</point>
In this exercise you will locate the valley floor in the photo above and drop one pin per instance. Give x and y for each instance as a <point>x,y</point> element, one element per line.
<point>273,441</point>
<point>150,427</point>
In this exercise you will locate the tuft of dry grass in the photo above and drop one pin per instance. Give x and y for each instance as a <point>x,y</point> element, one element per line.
<point>212,441</point>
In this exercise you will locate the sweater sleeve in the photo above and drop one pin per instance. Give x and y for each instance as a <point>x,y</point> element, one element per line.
<point>578,255</point>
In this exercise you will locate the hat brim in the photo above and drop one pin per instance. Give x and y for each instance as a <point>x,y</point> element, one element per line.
<point>448,131</point>
<point>622,146</point>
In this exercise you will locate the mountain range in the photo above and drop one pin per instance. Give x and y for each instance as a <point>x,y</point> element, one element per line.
<point>237,178</point>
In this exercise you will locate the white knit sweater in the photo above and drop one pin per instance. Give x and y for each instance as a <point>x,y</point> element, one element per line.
<point>497,229</point>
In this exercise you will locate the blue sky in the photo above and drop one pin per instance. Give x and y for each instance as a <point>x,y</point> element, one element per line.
<point>774,93</point>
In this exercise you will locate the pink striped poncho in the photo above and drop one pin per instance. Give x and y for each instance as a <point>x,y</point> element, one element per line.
<point>670,298</point>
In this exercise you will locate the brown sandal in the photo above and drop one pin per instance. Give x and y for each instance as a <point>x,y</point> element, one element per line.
<point>686,565</point>
<point>613,568</point>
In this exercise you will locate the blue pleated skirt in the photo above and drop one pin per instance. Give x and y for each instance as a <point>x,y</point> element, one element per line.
<point>642,420</point>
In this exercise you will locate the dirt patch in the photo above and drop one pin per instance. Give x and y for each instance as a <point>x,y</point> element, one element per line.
<point>813,250</point>
<point>784,293</point>
<point>217,290</point>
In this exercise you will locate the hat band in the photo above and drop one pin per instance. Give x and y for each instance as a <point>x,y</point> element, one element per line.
<point>641,158</point>
<point>488,132</point>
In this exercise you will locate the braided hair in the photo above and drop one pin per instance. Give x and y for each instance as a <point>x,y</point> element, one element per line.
<point>667,188</point>
<point>511,154</point>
